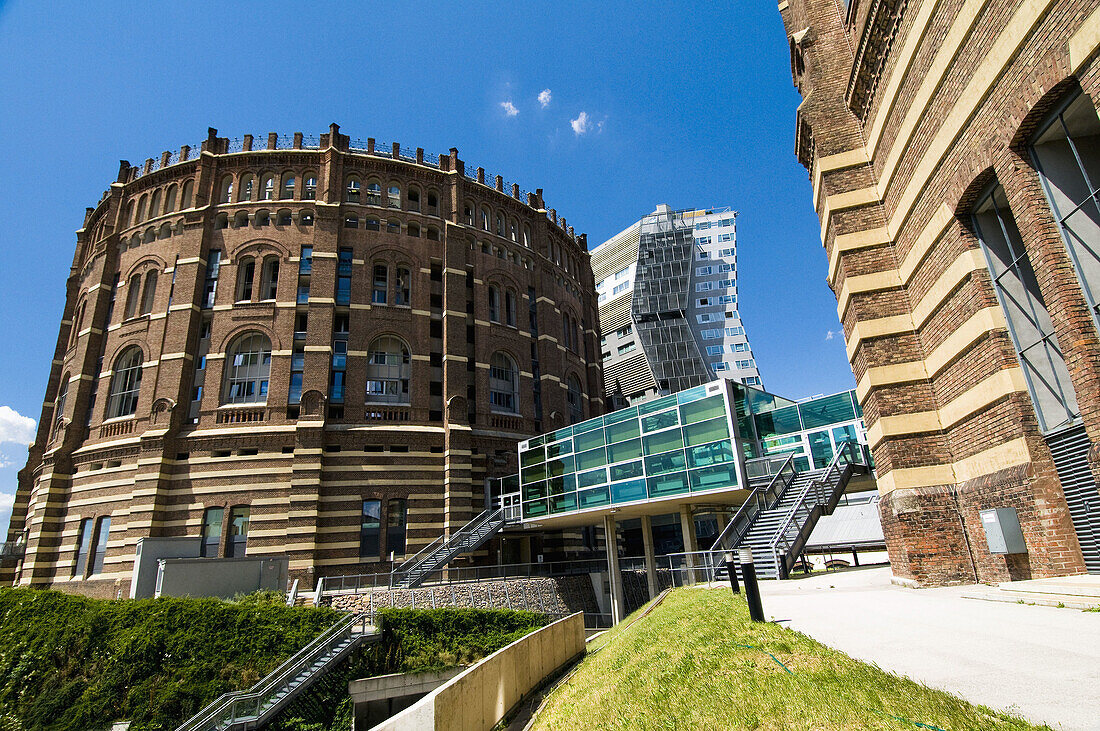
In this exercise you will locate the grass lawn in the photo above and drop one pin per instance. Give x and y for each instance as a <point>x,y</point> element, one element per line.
<point>684,666</point>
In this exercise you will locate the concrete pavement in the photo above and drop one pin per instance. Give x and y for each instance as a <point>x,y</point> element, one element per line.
<point>1041,663</point>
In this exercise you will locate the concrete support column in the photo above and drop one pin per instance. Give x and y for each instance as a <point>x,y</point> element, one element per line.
<point>614,577</point>
<point>650,559</point>
<point>691,543</point>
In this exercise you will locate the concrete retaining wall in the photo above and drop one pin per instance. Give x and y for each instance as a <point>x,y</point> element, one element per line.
<point>482,695</point>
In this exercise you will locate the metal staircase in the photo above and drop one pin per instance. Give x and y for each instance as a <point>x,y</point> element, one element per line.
<point>437,554</point>
<point>251,709</point>
<point>779,516</point>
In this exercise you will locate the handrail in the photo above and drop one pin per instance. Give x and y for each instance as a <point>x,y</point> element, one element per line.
<point>819,485</point>
<point>256,697</point>
<point>754,501</point>
<point>472,528</point>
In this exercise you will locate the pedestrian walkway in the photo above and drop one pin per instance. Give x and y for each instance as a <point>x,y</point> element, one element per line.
<point>1042,663</point>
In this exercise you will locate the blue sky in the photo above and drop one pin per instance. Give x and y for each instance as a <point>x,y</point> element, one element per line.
<point>648,104</point>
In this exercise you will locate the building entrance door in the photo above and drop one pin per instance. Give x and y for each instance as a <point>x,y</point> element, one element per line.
<point>1070,448</point>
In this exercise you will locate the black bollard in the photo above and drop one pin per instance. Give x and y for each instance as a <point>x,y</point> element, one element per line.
<point>752,590</point>
<point>731,570</point>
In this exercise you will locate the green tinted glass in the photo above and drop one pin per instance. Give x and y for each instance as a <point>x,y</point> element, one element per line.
<point>707,431</point>
<point>622,492</point>
<point>708,454</point>
<point>562,434</point>
<point>670,484</point>
<point>593,498</point>
<point>536,490</point>
<point>660,421</point>
<point>780,421</point>
<point>534,509</point>
<point>821,448</point>
<point>703,409</point>
<point>712,478</point>
<point>558,467</point>
<point>563,503</point>
<point>668,462</point>
<point>592,477</point>
<point>652,407</point>
<point>663,441</point>
<point>692,394</point>
<point>593,458</point>
<point>532,457</point>
<point>533,474</point>
<point>624,450</point>
<point>626,471</point>
<point>827,410</point>
<point>588,440</point>
<point>559,448</point>
<point>622,430</point>
<point>587,426</point>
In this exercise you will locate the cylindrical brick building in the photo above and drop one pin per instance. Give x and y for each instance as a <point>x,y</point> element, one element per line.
<point>306,348</point>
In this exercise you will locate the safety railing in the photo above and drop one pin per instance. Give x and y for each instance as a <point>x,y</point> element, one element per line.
<point>425,563</point>
<point>817,495</point>
<point>231,709</point>
<point>759,500</point>
<point>12,549</point>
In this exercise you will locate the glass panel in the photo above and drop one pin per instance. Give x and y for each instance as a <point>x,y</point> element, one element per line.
<point>709,454</point>
<point>693,394</point>
<point>626,491</point>
<point>626,471</point>
<point>843,434</point>
<point>660,421</point>
<point>707,431</point>
<point>712,478</point>
<point>593,458</point>
<point>780,421</point>
<point>828,410</point>
<point>623,430</point>
<point>821,448</point>
<point>587,426</point>
<point>624,450</point>
<point>370,529</point>
<point>560,448</point>
<point>558,467</point>
<point>670,484</point>
<point>534,509</point>
<point>593,498</point>
<point>707,408</point>
<point>663,441</point>
<point>535,490</point>
<point>660,404</point>
<point>621,415</point>
<point>592,477</point>
<point>663,463</point>
<point>562,434</point>
<point>534,473</point>
<point>563,503</point>
<point>801,464</point>
<point>531,457</point>
<point>588,440</point>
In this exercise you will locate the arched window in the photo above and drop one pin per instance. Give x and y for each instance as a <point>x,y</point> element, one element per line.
<point>133,295</point>
<point>135,241</point>
<point>78,323</point>
<point>286,190</point>
<point>433,233</point>
<point>510,307</point>
<point>513,230</point>
<point>413,229</point>
<point>351,191</point>
<point>240,219</point>
<point>380,284</point>
<point>494,304</point>
<point>503,383</point>
<point>393,196</point>
<point>59,402</point>
<point>433,202</point>
<point>351,221</point>
<point>237,545</point>
<point>468,213</point>
<point>486,220</point>
<point>309,188</point>
<point>393,226</point>
<point>247,366</point>
<point>222,220</point>
<point>170,199</point>
<point>270,283</point>
<point>263,217</point>
<point>130,208</point>
<point>413,198</point>
<point>527,236</point>
<point>284,217</point>
<point>154,204</point>
<point>225,190</point>
<point>566,332</point>
<point>305,218</point>
<point>267,187</point>
<point>372,224</point>
<point>388,371</point>
<point>500,224</point>
<point>374,193</point>
<point>150,293</point>
<point>143,201</point>
<point>246,272</point>
<point>122,398</point>
<point>165,231</point>
<point>402,294</point>
<point>248,182</point>
<point>149,236</point>
<point>188,193</point>
<point>574,397</point>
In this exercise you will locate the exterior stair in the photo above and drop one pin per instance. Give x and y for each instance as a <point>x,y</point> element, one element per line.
<point>436,555</point>
<point>780,514</point>
<point>254,708</point>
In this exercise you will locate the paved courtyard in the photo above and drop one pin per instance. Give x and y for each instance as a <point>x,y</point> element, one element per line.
<point>1042,663</point>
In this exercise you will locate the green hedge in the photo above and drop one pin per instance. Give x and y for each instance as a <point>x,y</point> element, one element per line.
<point>69,663</point>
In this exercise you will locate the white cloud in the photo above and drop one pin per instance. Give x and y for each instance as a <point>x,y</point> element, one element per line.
<point>14,427</point>
<point>580,124</point>
<point>5,462</point>
<point>830,334</point>
<point>6,502</point>
<point>509,108</point>
<point>544,98</point>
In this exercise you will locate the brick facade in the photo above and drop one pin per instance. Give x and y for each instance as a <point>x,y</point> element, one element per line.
<point>911,110</point>
<point>302,468</point>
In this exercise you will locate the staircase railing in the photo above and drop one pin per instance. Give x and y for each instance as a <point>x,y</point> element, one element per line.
<point>759,500</point>
<point>421,564</point>
<point>817,495</point>
<point>241,707</point>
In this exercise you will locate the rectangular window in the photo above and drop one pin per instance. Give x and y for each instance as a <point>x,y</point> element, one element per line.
<point>510,307</point>
<point>238,532</point>
<point>623,332</point>
<point>305,263</point>
<point>213,263</point>
<point>83,543</point>
<point>99,547</point>
<point>381,284</point>
<point>703,271</point>
<point>711,334</point>
<point>620,288</point>
<point>396,521</point>
<point>343,277</point>
<point>715,349</point>
<point>211,532</point>
<point>369,527</point>
<point>402,293</point>
<point>627,347</point>
<point>703,286</point>
<point>716,367</point>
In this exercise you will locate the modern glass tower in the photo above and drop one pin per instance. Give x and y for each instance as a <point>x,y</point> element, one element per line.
<point>668,305</point>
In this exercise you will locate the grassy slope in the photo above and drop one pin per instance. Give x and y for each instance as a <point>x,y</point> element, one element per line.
<point>681,667</point>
